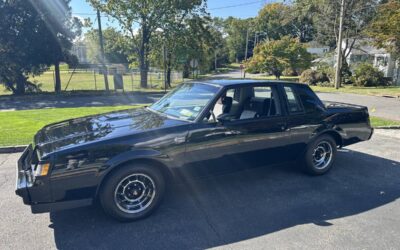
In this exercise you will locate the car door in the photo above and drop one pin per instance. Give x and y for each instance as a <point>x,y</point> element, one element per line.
<point>239,143</point>
<point>303,118</point>
<point>264,139</point>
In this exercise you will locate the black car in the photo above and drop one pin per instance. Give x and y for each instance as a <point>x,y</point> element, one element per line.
<point>126,159</point>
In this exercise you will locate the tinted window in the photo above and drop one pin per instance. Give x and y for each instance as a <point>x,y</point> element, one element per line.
<point>293,103</point>
<point>262,92</point>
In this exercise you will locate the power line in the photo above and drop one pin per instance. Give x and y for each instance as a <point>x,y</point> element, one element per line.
<point>236,5</point>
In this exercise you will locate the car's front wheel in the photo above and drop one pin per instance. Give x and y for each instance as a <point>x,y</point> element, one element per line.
<point>320,155</point>
<point>132,192</point>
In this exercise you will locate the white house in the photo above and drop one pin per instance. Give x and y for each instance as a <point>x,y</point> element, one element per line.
<point>317,49</point>
<point>379,58</point>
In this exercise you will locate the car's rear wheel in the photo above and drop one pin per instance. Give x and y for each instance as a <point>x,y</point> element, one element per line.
<point>320,155</point>
<point>132,192</point>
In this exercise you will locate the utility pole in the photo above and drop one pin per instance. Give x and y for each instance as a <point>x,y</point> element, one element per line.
<point>245,53</point>
<point>102,51</point>
<point>339,47</point>
<point>215,60</point>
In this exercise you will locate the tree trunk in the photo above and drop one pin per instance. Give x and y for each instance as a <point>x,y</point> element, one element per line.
<point>143,57</point>
<point>57,85</point>
<point>20,90</point>
<point>169,70</point>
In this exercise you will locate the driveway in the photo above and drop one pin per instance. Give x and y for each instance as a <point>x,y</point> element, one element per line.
<point>355,206</point>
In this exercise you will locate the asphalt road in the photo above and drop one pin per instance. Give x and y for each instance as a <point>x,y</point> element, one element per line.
<point>355,206</point>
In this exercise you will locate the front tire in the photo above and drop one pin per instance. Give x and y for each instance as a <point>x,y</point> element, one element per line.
<point>132,192</point>
<point>320,155</point>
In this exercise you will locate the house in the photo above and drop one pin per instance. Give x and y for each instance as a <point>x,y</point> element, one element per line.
<point>363,51</point>
<point>317,49</point>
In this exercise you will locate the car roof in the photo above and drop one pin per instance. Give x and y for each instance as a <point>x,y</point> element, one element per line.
<point>229,82</point>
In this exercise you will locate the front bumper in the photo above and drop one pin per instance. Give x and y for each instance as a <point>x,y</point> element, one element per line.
<point>24,176</point>
<point>38,195</point>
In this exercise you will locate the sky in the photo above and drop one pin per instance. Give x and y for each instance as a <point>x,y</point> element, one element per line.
<point>217,8</point>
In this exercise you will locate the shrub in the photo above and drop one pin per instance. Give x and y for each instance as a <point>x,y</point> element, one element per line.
<point>366,75</point>
<point>313,77</point>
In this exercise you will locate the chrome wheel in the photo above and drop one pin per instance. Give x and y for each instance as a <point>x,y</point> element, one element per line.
<point>135,193</point>
<point>322,155</point>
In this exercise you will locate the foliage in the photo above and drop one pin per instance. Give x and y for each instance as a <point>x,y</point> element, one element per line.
<point>313,77</point>
<point>236,30</point>
<point>150,15</point>
<point>34,35</point>
<point>385,27</point>
<point>367,76</point>
<point>117,46</point>
<point>357,16</point>
<point>275,56</point>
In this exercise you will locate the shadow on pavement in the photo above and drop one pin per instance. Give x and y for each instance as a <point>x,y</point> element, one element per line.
<point>55,101</point>
<point>239,206</point>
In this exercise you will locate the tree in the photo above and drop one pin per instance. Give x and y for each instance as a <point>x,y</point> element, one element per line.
<point>273,19</point>
<point>236,30</point>
<point>276,56</point>
<point>385,27</point>
<point>357,16</point>
<point>34,35</point>
<point>150,15</point>
<point>117,47</point>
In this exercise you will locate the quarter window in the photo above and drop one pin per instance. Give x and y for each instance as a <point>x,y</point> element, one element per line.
<point>293,103</point>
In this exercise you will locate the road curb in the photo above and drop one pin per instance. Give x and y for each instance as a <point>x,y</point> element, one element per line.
<point>12,149</point>
<point>388,127</point>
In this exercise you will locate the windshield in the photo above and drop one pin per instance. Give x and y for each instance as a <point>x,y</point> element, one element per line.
<point>186,101</point>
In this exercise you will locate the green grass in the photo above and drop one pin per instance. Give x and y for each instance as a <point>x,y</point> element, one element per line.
<point>89,81</point>
<point>379,122</point>
<point>19,127</point>
<point>380,91</point>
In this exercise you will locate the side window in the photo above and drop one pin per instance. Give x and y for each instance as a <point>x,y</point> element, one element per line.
<point>262,92</point>
<point>292,101</point>
<point>309,100</point>
<point>230,93</point>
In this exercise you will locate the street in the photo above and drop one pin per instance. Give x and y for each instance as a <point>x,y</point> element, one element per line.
<point>355,206</point>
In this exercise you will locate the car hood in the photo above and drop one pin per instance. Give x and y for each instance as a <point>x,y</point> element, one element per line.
<point>79,131</point>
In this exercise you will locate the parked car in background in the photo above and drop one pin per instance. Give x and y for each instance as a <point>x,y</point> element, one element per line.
<point>128,158</point>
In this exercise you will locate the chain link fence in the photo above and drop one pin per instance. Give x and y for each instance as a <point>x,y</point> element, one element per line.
<point>93,79</point>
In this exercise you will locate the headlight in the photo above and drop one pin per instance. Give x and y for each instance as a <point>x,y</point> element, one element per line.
<point>42,169</point>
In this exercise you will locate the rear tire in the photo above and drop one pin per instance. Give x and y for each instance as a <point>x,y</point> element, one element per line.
<point>132,192</point>
<point>320,155</point>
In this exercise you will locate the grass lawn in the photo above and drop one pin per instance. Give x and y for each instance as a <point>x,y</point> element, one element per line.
<point>19,127</point>
<point>378,122</point>
<point>90,81</point>
<point>380,91</point>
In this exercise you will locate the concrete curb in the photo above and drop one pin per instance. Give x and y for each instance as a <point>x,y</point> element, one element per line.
<point>12,149</point>
<point>388,127</point>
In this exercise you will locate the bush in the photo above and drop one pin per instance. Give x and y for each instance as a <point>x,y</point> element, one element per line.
<point>366,75</point>
<point>313,77</point>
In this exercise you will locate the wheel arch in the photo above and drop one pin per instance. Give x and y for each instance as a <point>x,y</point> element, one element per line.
<point>165,171</point>
<point>336,136</point>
